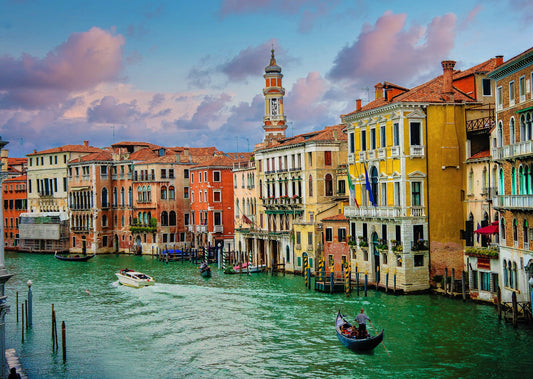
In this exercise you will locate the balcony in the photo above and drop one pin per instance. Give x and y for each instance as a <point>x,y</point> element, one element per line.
<point>395,151</point>
<point>372,154</point>
<point>362,156</point>
<point>351,158</point>
<point>382,153</point>
<point>201,228</point>
<point>190,228</point>
<point>416,151</point>
<point>218,229</point>
<point>521,202</point>
<point>370,212</point>
<point>513,151</point>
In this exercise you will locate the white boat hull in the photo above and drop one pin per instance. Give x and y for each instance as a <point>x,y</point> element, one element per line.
<point>133,281</point>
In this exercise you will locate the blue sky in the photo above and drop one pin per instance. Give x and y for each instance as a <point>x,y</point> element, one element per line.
<point>189,73</point>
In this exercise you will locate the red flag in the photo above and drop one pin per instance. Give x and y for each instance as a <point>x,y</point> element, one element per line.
<point>246,219</point>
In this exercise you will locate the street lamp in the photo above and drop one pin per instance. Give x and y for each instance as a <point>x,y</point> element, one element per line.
<point>4,277</point>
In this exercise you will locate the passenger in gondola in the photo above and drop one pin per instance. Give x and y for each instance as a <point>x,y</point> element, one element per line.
<point>361,319</point>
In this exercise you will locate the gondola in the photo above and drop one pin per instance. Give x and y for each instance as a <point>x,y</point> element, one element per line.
<point>365,344</point>
<point>205,270</point>
<point>73,257</point>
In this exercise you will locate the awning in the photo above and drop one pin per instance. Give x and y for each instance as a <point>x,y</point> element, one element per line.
<point>489,229</point>
<point>524,110</point>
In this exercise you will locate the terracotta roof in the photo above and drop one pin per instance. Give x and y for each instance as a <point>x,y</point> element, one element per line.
<point>144,154</point>
<point>222,160</point>
<point>484,67</point>
<point>67,148</point>
<point>337,217</point>
<point>326,134</point>
<point>17,161</point>
<point>21,178</point>
<point>481,154</point>
<point>102,155</point>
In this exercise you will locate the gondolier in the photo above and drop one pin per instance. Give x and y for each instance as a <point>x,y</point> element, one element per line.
<point>361,319</point>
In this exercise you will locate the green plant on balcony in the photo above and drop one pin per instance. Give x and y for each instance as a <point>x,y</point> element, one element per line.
<point>420,245</point>
<point>482,252</point>
<point>362,242</point>
<point>382,245</point>
<point>397,246</point>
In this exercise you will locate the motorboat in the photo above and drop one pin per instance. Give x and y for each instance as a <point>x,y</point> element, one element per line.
<point>133,278</point>
<point>249,268</point>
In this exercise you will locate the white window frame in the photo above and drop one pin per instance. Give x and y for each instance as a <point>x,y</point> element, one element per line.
<point>219,176</point>
<point>522,88</point>
<point>499,97</point>
<point>512,95</point>
<point>220,196</point>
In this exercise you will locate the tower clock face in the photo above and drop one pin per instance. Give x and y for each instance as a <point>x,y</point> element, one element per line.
<point>274,107</point>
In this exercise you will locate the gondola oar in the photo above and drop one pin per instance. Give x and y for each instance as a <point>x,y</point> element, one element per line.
<point>375,331</point>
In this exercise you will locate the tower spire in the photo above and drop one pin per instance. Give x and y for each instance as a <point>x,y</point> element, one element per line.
<point>274,119</point>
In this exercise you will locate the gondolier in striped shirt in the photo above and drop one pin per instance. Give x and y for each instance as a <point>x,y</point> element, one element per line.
<point>361,319</point>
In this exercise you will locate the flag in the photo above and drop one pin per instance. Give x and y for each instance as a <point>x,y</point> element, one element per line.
<point>351,187</point>
<point>246,220</point>
<point>369,189</point>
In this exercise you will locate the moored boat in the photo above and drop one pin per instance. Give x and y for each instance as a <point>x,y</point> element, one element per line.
<point>249,268</point>
<point>133,278</point>
<point>346,336</point>
<point>73,257</point>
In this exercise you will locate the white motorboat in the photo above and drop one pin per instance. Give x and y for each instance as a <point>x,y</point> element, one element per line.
<point>253,268</point>
<point>134,278</point>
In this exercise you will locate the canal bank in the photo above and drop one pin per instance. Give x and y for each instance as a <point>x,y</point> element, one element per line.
<point>240,326</point>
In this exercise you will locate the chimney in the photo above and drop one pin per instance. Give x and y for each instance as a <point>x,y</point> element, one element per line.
<point>379,90</point>
<point>447,82</point>
<point>335,134</point>
<point>358,104</point>
<point>86,143</point>
<point>499,60</point>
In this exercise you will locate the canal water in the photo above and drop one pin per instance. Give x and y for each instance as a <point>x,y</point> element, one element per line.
<point>242,326</point>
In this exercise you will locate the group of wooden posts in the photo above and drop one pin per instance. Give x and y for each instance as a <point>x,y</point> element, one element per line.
<point>26,317</point>
<point>330,283</point>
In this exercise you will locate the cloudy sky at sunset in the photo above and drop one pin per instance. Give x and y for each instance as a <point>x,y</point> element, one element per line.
<point>189,73</point>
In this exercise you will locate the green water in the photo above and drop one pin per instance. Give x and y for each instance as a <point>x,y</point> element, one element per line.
<point>243,326</point>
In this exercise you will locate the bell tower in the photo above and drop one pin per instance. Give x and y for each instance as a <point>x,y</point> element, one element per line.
<point>274,121</point>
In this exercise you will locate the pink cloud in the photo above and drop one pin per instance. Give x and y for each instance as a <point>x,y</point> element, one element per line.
<point>109,110</point>
<point>209,112</point>
<point>389,51</point>
<point>83,61</point>
<point>250,61</point>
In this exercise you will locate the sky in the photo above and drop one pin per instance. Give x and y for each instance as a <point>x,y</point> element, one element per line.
<point>190,73</point>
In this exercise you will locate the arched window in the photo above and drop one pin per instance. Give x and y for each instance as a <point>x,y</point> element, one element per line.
<point>501,189</point>
<point>374,183</point>
<point>527,180</point>
<point>502,228</point>
<point>122,197</point>
<point>310,185</point>
<point>115,197</point>
<point>105,200</point>
<point>471,181</point>
<point>164,218</point>
<point>237,211</point>
<point>149,194</point>
<point>505,274</point>
<point>521,181</point>
<point>163,193</point>
<point>513,181</point>
<point>104,221</point>
<point>260,188</point>
<point>512,132</point>
<point>171,193</point>
<point>172,218</point>
<point>484,180</point>
<point>328,184</point>
<point>130,196</point>
<point>515,230</point>
<point>523,128</point>
<point>145,216</point>
<point>140,194</point>
<point>515,276</point>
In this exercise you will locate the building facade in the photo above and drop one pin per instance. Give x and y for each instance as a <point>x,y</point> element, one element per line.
<point>15,203</point>
<point>512,152</point>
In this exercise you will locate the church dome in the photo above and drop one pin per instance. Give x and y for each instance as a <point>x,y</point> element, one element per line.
<point>272,67</point>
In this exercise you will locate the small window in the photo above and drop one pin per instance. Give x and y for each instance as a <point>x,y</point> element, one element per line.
<point>329,235</point>
<point>419,260</point>
<point>342,234</point>
<point>511,93</point>
<point>327,158</point>
<point>186,174</point>
<point>487,87</point>
<point>216,176</point>
<point>216,196</point>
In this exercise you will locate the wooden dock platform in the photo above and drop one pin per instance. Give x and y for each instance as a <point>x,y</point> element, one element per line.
<point>12,360</point>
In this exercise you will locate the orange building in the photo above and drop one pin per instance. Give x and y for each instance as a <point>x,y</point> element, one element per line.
<point>212,213</point>
<point>14,204</point>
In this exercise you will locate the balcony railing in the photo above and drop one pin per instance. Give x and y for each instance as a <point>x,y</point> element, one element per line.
<point>362,156</point>
<point>218,228</point>
<point>395,151</point>
<point>382,153</point>
<point>372,154</point>
<point>513,151</point>
<point>201,228</point>
<point>385,212</point>
<point>513,201</point>
<point>416,151</point>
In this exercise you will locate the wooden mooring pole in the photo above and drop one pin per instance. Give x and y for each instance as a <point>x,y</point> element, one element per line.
<point>17,307</point>
<point>22,325</point>
<point>64,340</point>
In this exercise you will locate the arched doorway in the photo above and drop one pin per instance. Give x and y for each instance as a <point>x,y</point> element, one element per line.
<point>115,243</point>
<point>375,243</point>
<point>84,245</point>
<point>138,246</point>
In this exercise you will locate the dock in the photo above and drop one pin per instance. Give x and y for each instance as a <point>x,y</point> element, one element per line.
<point>12,360</point>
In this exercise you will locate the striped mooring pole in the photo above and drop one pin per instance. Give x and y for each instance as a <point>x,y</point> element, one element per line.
<point>347,277</point>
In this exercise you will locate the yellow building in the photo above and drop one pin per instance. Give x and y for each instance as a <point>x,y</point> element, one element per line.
<point>406,162</point>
